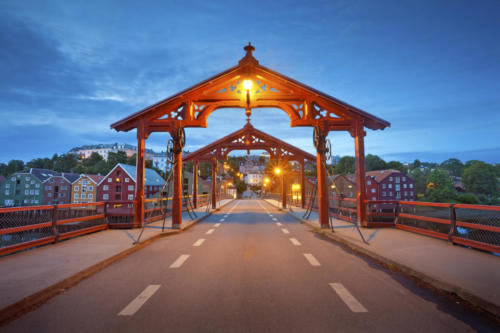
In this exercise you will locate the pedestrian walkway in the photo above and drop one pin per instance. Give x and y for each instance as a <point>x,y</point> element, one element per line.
<point>30,277</point>
<point>471,274</point>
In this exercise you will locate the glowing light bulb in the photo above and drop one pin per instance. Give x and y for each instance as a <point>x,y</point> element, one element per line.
<point>247,84</point>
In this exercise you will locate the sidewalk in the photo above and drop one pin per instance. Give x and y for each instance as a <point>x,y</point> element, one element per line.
<point>471,274</point>
<point>29,278</point>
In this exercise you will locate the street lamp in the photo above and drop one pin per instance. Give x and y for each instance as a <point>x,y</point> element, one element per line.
<point>247,85</point>
<point>277,171</point>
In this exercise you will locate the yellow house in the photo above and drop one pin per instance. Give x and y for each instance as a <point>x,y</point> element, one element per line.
<point>84,189</point>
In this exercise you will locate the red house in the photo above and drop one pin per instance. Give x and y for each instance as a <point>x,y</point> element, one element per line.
<point>119,184</point>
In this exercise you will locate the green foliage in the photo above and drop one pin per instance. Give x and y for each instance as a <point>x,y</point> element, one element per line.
<point>420,179</point>
<point>454,166</point>
<point>416,164</point>
<point>395,165</point>
<point>440,187</point>
<point>480,178</point>
<point>11,167</point>
<point>240,186</point>
<point>467,198</point>
<point>346,165</point>
<point>374,162</point>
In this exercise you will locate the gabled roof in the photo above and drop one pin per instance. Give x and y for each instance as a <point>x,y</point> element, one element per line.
<point>291,91</point>
<point>380,175</point>
<point>42,174</point>
<point>152,178</point>
<point>95,178</point>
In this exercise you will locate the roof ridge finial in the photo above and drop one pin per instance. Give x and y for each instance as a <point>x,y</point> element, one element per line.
<point>248,58</point>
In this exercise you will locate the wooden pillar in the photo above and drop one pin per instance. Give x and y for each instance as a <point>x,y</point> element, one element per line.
<point>323,217</point>
<point>195,184</point>
<point>302,184</point>
<point>283,191</point>
<point>139,186</point>
<point>177,195</point>
<point>360,173</point>
<point>214,184</point>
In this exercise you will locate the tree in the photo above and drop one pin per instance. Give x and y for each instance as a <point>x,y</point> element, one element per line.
<point>439,187</point>
<point>115,158</point>
<point>481,178</point>
<point>14,166</point>
<point>454,166</point>
<point>416,164</point>
<point>373,162</point>
<point>420,179</point>
<point>43,163</point>
<point>346,165</point>
<point>65,163</point>
<point>240,186</point>
<point>395,165</point>
<point>3,167</point>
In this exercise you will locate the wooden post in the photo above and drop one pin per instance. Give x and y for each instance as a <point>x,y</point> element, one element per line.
<point>177,195</point>
<point>139,186</point>
<point>214,184</point>
<point>360,173</point>
<point>195,184</point>
<point>323,216</point>
<point>283,192</point>
<point>302,184</point>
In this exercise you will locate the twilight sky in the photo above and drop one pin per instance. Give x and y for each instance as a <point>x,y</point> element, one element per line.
<point>68,69</point>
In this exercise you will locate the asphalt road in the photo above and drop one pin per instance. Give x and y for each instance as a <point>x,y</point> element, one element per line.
<point>248,268</point>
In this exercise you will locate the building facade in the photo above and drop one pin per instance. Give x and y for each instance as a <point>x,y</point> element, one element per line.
<point>160,161</point>
<point>105,149</point>
<point>119,184</point>
<point>57,189</point>
<point>84,188</point>
<point>24,188</point>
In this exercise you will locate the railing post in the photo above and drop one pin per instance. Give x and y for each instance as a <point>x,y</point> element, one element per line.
<point>106,214</point>
<point>397,209</point>
<point>453,222</point>
<point>54,224</point>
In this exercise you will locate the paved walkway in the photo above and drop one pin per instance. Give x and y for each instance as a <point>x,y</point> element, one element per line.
<point>471,274</point>
<point>30,277</point>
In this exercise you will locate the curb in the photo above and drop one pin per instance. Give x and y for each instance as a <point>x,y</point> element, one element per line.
<point>35,300</point>
<point>481,303</point>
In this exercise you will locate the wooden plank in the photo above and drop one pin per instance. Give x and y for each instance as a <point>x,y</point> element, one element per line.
<point>478,226</point>
<point>80,219</point>
<point>82,231</point>
<point>476,244</point>
<point>25,228</point>
<point>425,218</point>
<point>26,245</point>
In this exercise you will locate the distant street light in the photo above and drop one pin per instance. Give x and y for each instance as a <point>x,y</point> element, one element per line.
<point>277,171</point>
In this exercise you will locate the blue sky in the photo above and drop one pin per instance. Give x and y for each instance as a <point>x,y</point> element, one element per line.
<point>68,69</point>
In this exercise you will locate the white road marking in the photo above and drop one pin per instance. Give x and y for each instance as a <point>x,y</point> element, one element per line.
<point>178,263</point>
<point>271,215</point>
<point>225,216</point>
<point>295,242</point>
<point>210,231</point>
<point>278,224</point>
<point>313,261</point>
<point>275,219</point>
<point>285,231</point>
<point>347,297</point>
<point>139,301</point>
<point>216,225</point>
<point>221,220</point>
<point>199,242</point>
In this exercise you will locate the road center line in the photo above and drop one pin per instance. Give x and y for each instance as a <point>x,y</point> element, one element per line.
<point>221,220</point>
<point>285,231</point>
<point>275,219</point>
<point>210,231</point>
<point>295,242</point>
<point>347,297</point>
<point>313,261</point>
<point>225,216</point>
<point>216,225</point>
<point>199,242</point>
<point>278,224</point>
<point>139,301</point>
<point>178,263</point>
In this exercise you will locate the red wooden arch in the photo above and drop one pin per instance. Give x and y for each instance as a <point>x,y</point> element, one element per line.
<point>304,105</point>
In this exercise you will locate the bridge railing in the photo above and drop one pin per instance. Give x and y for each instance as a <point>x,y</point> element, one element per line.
<point>22,228</point>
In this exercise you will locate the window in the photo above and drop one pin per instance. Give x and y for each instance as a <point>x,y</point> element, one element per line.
<point>384,194</point>
<point>373,190</point>
<point>131,187</point>
<point>49,194</point>
<point>390,179</point>
<point>389,185</point>
<point>411,193</point>
<point>105,187</point>
<point>32,182</point>
<point>61,195</point>
<point>37,185</point>
<point>369,182</point>
<point>76,201</point>
<point>411,185</point>
<point>13,178</point>
<point>84,182</point>
<point>91,188</point>
<point>77,188</point>
<point>404,185</point>
<point>374,198</point>
<point>7,185</point>
<point>27,185</point>
<point>109,180</point>
<point>37,192</point>
<point>7,192</point>
<point>398,195</point>
<point>105,196</point>
<point>91,196</point>
<point>383,186</point>
<point>118,197</point>
<point>83,196</point>
<point>28,179</point>
<point>26,192</point>
<point>76,196</point>
<point>398,179</point>
<point>130,197</point>
<point>127,180</point>
<point>404,179</point>
<point>118,188</point>
<point>390,193</point>
<point>398,187</point>
<point>406,193</point>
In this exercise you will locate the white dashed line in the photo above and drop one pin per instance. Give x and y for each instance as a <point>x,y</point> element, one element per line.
<point>295,242</point>
<point>275,219</point>
<point>178,263</point>
<point>199,242</point>
<point>221,220</point>
<point>278,224</point>
<point>313,261</point>
<point>225,216</point>
<point>216,225</point>
<point>347,297</point>
<point>285,231</point>
<point>139,301</point>
<point>210,231</point>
